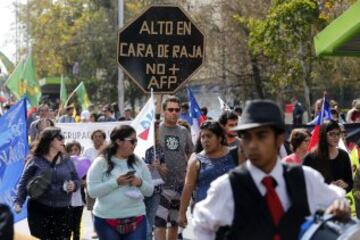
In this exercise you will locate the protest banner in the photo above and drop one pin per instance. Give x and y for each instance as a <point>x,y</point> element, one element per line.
<point>81,132</point>
<point>13,150</point>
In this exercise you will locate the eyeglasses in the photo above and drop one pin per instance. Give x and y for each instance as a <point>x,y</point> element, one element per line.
<point>173,109</point>
<point>59,137</point>
<point>334,134</point>
<point>133,141</point>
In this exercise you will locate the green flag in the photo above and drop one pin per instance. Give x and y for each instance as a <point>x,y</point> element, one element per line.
<point>23,81</point>
<point>9,66</point>
<point>63,92</point>
<point>82,96</point>
<point>14,81</point>
<point>33,90</point>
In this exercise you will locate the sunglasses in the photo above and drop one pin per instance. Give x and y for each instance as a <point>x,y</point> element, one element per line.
<point>173,109</point>
<point>334,134</point>
<point>133,141</point>
<point>206,124</point>
<point>59,137</point>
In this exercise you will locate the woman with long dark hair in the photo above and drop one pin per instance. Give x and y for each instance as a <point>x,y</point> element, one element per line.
<point>332,162</point>
<point>119,180</point>
<point>212,158</point>
<point>49,214</point>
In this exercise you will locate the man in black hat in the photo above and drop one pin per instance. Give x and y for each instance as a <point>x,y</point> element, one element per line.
<point>263,198</point>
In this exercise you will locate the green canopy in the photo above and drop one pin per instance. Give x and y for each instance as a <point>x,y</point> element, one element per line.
<point>342,36</point>
<point>50,80</point>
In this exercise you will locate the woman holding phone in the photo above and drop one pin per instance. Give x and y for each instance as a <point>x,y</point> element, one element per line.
<point>119,180</point>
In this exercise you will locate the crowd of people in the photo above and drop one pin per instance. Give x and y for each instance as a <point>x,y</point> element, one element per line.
<point>351,116</point>
<point>234,178</point>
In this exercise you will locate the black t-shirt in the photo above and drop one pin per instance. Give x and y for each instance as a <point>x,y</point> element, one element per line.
<point>340,168</point>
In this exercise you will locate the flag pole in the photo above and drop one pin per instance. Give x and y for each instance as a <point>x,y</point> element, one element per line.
<point>70,96</point>
<point>153,124</point>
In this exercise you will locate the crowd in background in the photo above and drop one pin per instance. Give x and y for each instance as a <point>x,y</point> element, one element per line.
<point>133,198</point>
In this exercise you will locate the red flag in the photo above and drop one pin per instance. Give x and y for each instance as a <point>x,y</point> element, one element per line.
<point>325,114</point>
<point>314,140</point>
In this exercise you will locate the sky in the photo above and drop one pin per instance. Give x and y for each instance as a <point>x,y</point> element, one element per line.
<point>7,28</point>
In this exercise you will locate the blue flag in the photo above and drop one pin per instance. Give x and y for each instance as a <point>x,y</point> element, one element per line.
<point>13,150</point>
<point>325,113</point>
<point>195,114</point>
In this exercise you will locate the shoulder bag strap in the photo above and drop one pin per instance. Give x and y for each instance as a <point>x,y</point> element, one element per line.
<point>53,162</point>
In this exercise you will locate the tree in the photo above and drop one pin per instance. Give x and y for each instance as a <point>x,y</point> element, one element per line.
<point>285,38</point>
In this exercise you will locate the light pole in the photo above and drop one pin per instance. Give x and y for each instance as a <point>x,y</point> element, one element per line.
<point>120,85</point>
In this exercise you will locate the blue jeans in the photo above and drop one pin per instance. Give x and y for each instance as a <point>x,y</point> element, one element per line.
<point>106,232</point>
<point>151,205</point>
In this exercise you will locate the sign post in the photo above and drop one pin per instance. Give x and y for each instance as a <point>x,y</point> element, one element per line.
<point>160,49</point>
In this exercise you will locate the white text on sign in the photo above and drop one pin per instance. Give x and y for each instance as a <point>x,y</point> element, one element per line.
<point>180,28</point>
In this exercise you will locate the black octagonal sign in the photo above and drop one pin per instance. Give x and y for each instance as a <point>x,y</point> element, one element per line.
<point>161,49</point>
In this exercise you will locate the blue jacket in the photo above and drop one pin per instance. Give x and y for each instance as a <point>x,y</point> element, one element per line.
<point>55,196</point>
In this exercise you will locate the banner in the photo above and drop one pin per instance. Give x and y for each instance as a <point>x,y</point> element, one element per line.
<point>13,150</point>
<point>81,132</point>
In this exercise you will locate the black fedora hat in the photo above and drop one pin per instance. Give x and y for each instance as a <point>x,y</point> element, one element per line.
<point>258,113</point>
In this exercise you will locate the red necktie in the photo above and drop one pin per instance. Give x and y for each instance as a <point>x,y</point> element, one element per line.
<point>273,201</point>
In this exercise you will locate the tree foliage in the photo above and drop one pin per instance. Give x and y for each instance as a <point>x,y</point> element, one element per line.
<point>258,48</point>
<point>283,38</point>
<point>78,39</point>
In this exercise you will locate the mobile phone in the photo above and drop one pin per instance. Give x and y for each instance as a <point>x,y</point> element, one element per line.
<point>130,173</point>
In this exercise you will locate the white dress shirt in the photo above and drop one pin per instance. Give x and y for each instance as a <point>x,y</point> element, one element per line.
<point>218,208</point>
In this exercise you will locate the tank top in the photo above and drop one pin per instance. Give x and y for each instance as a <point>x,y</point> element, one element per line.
<point>210,169</point>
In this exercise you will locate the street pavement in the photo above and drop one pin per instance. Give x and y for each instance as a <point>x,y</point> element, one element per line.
<point>21,228</point>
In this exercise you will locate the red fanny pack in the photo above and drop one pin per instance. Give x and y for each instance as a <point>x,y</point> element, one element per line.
<point>125,225</point>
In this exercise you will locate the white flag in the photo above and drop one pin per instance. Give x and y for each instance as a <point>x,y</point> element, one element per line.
<point>144,126</point>
<point>223,105</point>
